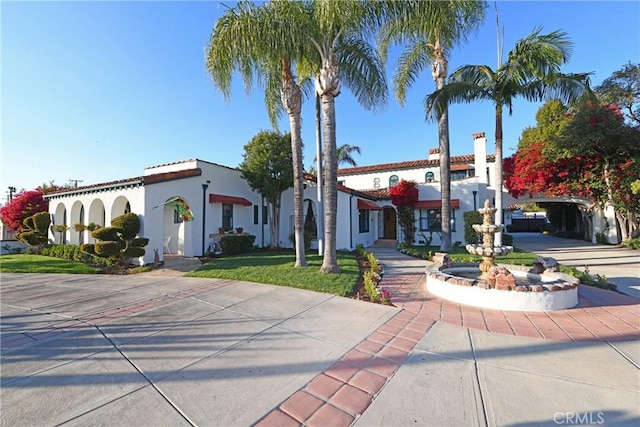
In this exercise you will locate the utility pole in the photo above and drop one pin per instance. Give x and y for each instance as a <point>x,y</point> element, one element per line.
<point>12,191</point>
<point>75,182</point>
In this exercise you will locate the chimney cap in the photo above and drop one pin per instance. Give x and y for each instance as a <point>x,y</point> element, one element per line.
<point>434,150</point>
<point>478,135</point>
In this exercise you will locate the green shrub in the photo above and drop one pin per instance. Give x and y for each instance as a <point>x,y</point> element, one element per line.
<point>632,243</point>
<point>128,224</point>
<point>108,248</point>
<point>133,252</point>
<point>140,242</point>
<point>106,233</point>
<point>470,218</point>
<point>370,286</point>
<point>507,239</point>
<point>601,238</point>
<point>238,244</point>
<point>88,248</point>
<point>36,229</point>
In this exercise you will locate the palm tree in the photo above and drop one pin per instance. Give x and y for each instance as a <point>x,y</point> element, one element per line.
<point>264,42</point>
<point>532,71</point>
<point>343,155</point>
<point>430,30</point>
<point>338,31</point>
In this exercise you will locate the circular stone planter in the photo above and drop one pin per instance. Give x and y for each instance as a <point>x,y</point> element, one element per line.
<point>534,292</point>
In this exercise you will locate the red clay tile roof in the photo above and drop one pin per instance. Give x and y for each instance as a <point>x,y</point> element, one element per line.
<point>411,164</point>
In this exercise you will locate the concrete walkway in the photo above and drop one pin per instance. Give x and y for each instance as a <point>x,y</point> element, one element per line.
<point>158,350</point>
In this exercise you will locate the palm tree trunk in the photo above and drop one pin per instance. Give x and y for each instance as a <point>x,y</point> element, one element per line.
<point>498,173</point>
<point>292,102</point>
<point>445,178</point>
<point>319,177</point>
<point>330,173</point>
<point>439,72</point>
<point>328,87</point>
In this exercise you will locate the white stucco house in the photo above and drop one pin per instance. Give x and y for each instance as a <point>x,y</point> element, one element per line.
<point>219,198</point>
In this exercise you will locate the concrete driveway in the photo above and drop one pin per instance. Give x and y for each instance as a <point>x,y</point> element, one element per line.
<point>620,266</point>
<point>146,350</point>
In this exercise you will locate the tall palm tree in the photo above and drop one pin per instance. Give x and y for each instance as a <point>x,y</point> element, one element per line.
<point>430,30</point>
<point>338,30</point>
<point>531,71</point>
<point>343,155</point>
<point>263,42</point>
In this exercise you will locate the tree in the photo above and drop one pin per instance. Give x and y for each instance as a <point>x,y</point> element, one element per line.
<point>266,41</point>
<point>430,30</point>
<point>531,71</point>
<point>22,206</point>
<point>598,132</point>
<point>268,168</point>
<point>339,33</point>
<point>586,151</point>
<point>343,155</point>
<point>623,89</point>
<point>405,196</point>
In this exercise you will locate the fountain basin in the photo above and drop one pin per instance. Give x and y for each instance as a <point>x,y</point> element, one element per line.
<point>548,291</point>
<point>476,249</point>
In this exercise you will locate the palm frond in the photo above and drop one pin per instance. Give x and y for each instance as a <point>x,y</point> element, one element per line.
<point>363,72</point>
<point>453,93</point>
<point>410,64</point>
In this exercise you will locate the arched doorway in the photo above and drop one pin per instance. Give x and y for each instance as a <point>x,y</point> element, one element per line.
<point>389,223</point>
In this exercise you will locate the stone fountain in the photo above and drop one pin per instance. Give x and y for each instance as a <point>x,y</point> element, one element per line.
<point>500,287</point>
<point>487,250</point>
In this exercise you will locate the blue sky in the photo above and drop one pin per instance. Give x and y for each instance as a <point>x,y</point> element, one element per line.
<point>97,91</point>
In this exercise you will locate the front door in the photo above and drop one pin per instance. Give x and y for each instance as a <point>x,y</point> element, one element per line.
<point>389,220</point>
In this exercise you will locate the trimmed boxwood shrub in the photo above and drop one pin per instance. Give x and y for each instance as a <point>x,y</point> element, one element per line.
<point>106,233</point>
<point>238,244</point>
<point>88,248</point>
<point>108,248</point>
<point>470,218</point>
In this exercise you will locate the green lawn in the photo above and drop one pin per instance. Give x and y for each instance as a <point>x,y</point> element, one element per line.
<point>22,263</point>
<point>277,268</point>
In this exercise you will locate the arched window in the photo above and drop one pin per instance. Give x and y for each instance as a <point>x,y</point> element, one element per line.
<point>393,181</point>
<point>127,208</point>
<point>429,177</point>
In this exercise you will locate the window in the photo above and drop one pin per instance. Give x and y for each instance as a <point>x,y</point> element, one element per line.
<point>265,215</point>
<point>363,219</point>
<point>256,214</point>
<point>458,175</point>
<point>227,216</point>
<point>127,208</point>
<point>393,181</point>
<point>431,220</point>
<point>429,177</point>
<point>177,218</point>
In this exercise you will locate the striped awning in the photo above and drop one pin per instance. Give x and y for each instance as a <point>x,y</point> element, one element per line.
<point>233,200</point>
<point>366,204</point>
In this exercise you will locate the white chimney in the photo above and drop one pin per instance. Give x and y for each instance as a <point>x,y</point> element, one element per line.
<point>480,164</point>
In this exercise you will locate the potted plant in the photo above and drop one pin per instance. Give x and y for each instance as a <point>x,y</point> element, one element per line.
<point>239,230</point>
<point>221,230</point>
